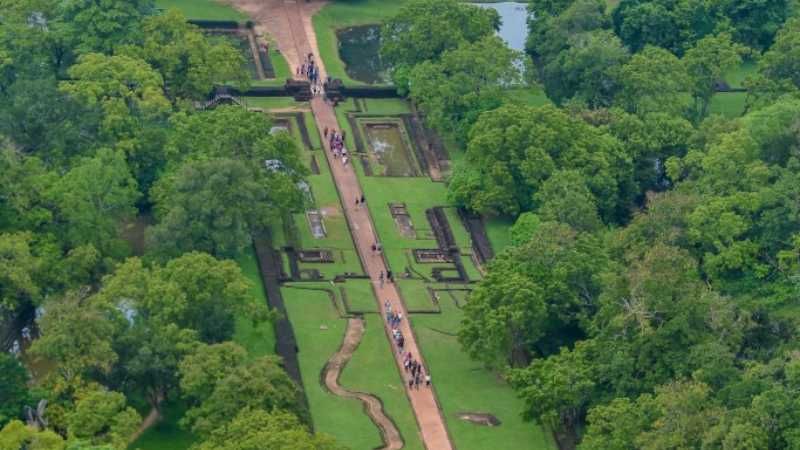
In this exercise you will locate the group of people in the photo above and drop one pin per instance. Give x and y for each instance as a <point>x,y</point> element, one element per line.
<point>311,71</point>
<point>385,277</point>
<point>336,143</point>
<point>412,366</point>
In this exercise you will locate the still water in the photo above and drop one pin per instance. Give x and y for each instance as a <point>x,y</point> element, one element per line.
<point>359,48</point>
<point>514,29</point>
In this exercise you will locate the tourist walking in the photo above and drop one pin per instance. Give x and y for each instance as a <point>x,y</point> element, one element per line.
<point>380,277</point>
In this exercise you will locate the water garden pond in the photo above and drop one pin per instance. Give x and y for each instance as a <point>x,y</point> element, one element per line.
<point>359,47</point>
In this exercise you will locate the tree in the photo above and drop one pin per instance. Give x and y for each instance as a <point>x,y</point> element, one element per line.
<point>75,334</point>
<point>92,199</point>
<point>101,25</point>
<point>465,82</point>
<point>41,120</point>
<point>674,26</point>
<point>504,319</point>
<point>781,63</point>
<point>514,149</point>
<point>615,426</point>
<point>195,292</point>
<point>256,429</point>
<point>126,89</point>
<point>18,273</point>
<point>585,71</point>
<point>259,384</point>
<point>757,21</point>
<point>424,29</point>
<point>102,417</point>
<point>565,198</point>
<point>216,205</point>
<point>706,63</point>
<point>186,60</point>
<point>13,388</point>
<point>654,80</point>
<point>556,390</point>
<point>18,436</point>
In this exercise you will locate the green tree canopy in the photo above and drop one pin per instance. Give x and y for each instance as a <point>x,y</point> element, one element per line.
<point>424,29</point>
<point>13,388</point>
<point>464,82</point>
<point>259,383</point>
<point>256,429</point>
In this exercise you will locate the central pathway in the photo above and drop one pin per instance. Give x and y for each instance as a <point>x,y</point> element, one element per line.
<point>423,400</point>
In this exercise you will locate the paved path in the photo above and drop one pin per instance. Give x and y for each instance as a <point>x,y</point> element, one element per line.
<point>423,400</point>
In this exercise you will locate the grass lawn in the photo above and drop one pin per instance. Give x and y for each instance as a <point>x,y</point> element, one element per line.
<point>373,370</point>
<point>464,385</point>
<point>259,339</point>
<point>529,96</point>
<point>728,104</point>
<point>337,15</point>
<point>499,231</point>
<point>268,103</point>
<point>311,311</point>
<point>203,9</point>
<point>166,435</point>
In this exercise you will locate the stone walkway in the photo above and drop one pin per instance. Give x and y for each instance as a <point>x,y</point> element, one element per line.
<point>289,22</point>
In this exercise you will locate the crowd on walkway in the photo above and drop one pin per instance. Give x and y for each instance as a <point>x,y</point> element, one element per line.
<point>413,368</point>
<point>310,71</point>
<point>336,144</point>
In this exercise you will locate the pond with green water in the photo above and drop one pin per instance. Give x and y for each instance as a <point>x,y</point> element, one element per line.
<point>359,49</point>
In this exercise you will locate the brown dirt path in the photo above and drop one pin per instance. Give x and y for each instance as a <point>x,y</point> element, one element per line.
<point>372,405</point>
<point>152,418</point>
<point>289,23</point>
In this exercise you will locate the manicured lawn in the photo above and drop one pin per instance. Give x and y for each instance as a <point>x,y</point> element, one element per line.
<point>203,9</point>
<point>373,370</point>
<point>319,331</point>
<point>499,231</point>
<point>728,104</point>
<point>464,385</point>
<point>268,103</point>
<point>337,15</point>
<point>258,339</point>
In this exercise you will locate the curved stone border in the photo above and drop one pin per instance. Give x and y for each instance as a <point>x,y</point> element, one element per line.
<point>392,440</point>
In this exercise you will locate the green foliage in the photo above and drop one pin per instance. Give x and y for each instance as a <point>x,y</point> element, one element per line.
<point>233,386</point>
<point>706,63</point>
<point>13,388</point>
<point>77,336</point>
<point>464,82</point>
<point>91,200</point>
<point>257,429</point>
<point>18,267</point>
<point>18,436</point>
<point>654,80</point>
<point>514,149</point>
<point>101,417</point>
<point>188,63</point>
<point>214,206</point>
<point>424,30</point>
<point>101,25</point>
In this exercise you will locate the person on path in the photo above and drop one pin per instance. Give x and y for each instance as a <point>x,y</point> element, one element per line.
<point>358,202</point>
<point>326,132</point>
<point>380,277</point>
<point>428,380</point>
<point>363,200</point>
<point>344,161</point>
<point>388,272</point>
<point>374,249</point>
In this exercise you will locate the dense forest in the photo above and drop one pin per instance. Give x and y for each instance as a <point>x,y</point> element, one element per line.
<point>98,126</point>
<point>649,298</point>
